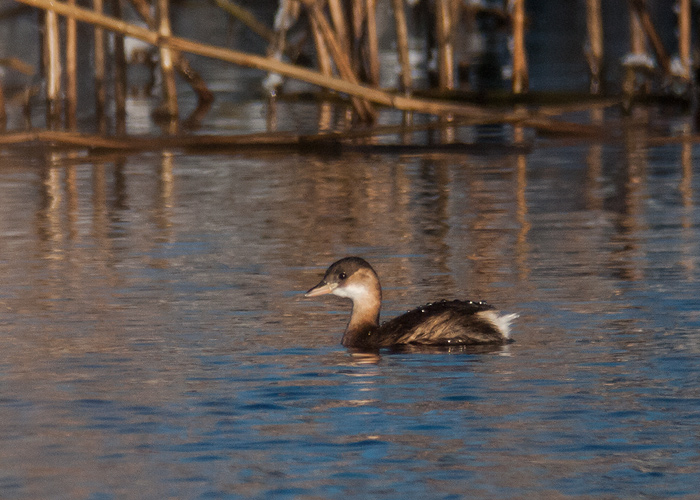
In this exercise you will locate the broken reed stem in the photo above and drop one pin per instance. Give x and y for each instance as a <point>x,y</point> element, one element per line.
<point>402,45</point>
<point>594,50</point>
<point>166,61</point>
<point>143,8</point>
<point>17,65</point>
<point>74,139</point>
<point>194,79</point>
<point>100,88</point>
<point>71,71</point>
<point>52,68</point>
<point>261,142</point>
<point>247,18</point>
<point>520,76</point>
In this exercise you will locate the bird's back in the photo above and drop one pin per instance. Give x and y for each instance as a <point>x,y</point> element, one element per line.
<point>454,322</point>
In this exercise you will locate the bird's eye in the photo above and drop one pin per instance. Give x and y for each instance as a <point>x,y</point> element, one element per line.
<point>342,276</point>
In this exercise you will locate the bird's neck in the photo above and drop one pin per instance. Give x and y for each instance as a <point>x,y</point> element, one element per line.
<point>364,317</point>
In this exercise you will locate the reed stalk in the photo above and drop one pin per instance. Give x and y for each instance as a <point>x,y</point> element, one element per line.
<point>99,54</point>
<point>372,41</point>
<point>119,73</point>
<point>357,11</point>
<point>520,72</point>
<point>323,58</point>
<point>684,37</point>
<point>71,71</point>
<point>594,50</point>
<point>444,22</point>
<point>402,45</point>
<point>340,25</point>
<point>169,107</point>
<point>638,44</point>
<point>52,68</point>
<point>640,7</point>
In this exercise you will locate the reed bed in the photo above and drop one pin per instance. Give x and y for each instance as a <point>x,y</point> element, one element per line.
<point>347,58</point>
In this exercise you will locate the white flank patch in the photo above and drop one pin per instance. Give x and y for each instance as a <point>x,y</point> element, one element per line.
<point>501,323</point>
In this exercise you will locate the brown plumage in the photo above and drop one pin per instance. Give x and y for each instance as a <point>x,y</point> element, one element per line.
<point>454,322</point>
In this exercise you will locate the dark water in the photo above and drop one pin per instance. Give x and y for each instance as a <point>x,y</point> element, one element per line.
<point>155,342</point>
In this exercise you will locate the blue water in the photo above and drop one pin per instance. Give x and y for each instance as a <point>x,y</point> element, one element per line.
<point>156,343</point>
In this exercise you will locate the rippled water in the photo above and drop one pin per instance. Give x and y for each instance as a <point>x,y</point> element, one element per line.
<point>156,344</point>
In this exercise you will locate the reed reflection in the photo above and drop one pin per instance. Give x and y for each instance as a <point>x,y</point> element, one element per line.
<point>522,248</point>
<point>165,196</point>
<point>99,201</point>
<point>487,208</point>
<point>594,167</point>
<point>120,193</point>
<point>627,204</point>
<point>325,116</point>
<point>685,187</point>
<point>49,225</point>
<point>68,253</point>
<point>430,210</point>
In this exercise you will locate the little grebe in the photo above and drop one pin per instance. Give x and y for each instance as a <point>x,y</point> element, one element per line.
<point>454,322</point>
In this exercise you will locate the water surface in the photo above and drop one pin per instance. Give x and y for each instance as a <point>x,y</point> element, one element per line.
<point>156,342</point>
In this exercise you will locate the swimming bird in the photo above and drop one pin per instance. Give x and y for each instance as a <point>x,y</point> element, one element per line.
<point>453,322</point>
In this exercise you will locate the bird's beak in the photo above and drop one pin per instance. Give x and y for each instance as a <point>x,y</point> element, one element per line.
<point>321,289</point>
